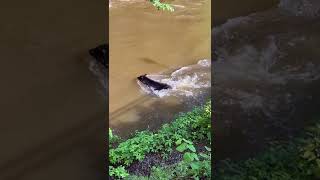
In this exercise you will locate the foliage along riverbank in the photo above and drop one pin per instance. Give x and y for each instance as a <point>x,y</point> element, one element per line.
<point>178,150</point>
<point>298,159</point>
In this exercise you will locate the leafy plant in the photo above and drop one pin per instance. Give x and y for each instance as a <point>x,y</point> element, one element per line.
<point>294,160</point>
<point>178,133</point>
<point>185,145</point>
<point>162,6</point>
<point>118,172</point>
<point>113,138</point>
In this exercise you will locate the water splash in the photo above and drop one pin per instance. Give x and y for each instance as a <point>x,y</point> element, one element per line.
<point>205,63</point>
<point>187,81</point>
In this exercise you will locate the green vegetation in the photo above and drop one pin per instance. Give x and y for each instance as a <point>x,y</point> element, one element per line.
<point>295,160</point>
<point>161,6</point>
<point>184,135</point>
<point>192,165</point>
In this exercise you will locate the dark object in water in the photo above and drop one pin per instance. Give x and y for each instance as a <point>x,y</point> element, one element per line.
<point>101,54</point>
<point>151,83</point>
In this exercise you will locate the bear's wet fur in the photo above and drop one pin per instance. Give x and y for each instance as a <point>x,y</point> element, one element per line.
<point>153,84</point>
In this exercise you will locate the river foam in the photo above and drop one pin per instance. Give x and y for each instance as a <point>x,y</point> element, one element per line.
<point>186,81</point>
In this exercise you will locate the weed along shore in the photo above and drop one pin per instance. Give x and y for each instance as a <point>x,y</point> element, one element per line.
<point>289,160</point>
<point>180,149</point>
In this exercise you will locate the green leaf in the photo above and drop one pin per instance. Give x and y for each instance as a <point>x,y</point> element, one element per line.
<point>178,141</point>
<point>110,134</point>
<point>195,156</point>
<point>189,142</point>
<point>188,157</point>
<point>191,148</point>
<point>182,147</point>
<point>207,148</point>
<point>308,155</point>
<point>204,156</point>
<point>195,166</point>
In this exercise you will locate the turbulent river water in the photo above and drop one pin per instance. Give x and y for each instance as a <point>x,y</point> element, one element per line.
<point>266,76</point>
<point>173,48</point>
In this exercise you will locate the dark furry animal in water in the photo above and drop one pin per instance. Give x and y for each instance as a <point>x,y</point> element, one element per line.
<point>101,54</point>
<point>151,83</point>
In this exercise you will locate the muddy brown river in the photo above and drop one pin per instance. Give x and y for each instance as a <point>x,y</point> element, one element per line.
<point>144,40</point>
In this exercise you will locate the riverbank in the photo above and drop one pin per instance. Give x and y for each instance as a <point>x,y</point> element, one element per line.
<point>291,160</point>
<point>180,149</point>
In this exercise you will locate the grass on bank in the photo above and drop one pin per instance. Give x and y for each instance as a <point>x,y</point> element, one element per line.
<point>180,135</point>
<point>296,160</point>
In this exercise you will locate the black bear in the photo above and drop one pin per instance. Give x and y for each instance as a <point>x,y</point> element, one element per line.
<point>151,83</point>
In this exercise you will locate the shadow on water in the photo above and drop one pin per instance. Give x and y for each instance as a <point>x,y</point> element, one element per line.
<point>266,80</point>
